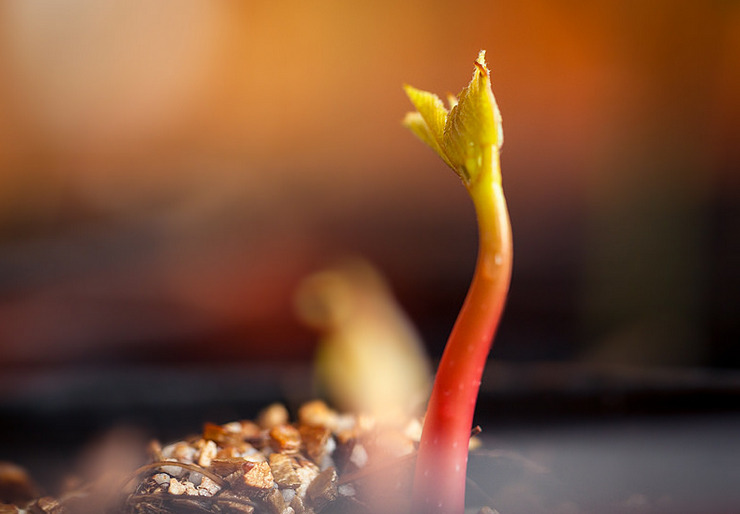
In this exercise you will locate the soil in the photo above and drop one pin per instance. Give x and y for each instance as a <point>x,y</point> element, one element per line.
<point>322,462</point>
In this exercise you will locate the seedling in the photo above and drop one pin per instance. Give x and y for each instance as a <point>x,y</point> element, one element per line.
<point>468,138</point>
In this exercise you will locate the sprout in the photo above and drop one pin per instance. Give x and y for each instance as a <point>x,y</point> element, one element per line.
<point>468,138</point>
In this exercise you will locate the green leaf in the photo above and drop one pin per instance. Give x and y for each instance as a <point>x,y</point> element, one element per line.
<point>463,136</point>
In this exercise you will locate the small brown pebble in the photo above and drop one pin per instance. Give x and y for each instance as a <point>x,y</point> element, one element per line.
<point>225,467</point>
<point>230,452</point>
<point>316,413</point>
<point>314,440</point>
<point>487,510</point>
<point>307,471</point>
<point>285,439</point>
<point>207,453</point>
<point>233,427</point>
<point>323,489</point>
<point>272,416</point>
<point>235,505</point>
<point>273,502</point>
<point>181,451</point>
<point>208,487</point>
<point>237,508</point>
<point>161,478</point>
<point>283,471</point>
<point>237,450</point>
<point>298,506</point>
<point>219,434</point>
<point>250,430</point>
<point>176,487</point>
<point>257,475</point>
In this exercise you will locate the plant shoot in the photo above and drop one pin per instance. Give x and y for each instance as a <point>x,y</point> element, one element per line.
<point>468,138</point>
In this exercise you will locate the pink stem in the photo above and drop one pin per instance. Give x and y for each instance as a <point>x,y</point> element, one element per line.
<point>439,482</point>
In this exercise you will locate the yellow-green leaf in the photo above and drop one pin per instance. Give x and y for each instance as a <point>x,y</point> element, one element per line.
<point>464,135</point>
<point>430,108</point>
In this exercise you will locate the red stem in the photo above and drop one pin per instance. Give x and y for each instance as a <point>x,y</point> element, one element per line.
<point>439,482</point>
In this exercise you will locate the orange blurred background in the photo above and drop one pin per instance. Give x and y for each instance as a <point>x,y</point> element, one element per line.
<point>170,170</point>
